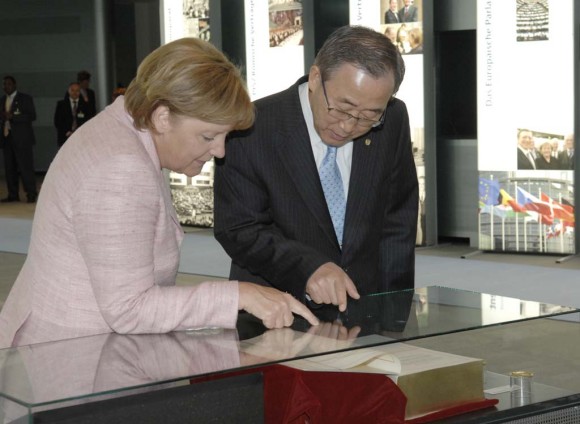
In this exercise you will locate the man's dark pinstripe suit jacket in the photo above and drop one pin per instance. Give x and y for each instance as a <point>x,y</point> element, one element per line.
<point>271,215</point>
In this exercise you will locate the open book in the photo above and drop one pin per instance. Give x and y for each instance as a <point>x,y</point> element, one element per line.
<point>431,380</point>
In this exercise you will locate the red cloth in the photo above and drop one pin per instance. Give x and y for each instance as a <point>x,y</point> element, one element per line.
<point>298,397</point>
<point>292,396</point>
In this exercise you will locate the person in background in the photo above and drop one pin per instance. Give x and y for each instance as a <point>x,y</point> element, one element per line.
<point>409,12</point>
<point>118,91</point>
<point>545,159</point>
<point>555,148</point>
<point>88,95</point>
<point>391,33</point>
<point>391,15</point>
<point>319,198</point>
<point>567,155</point>
<point>104,250</point>
<point>17,112</point>
<point>526,159</point>
<point>403,39</point>
<point>70,113</point>
<point>416,40</point>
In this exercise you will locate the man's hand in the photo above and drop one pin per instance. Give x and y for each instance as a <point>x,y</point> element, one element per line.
<point>329,284</point>
<point>272,306</point>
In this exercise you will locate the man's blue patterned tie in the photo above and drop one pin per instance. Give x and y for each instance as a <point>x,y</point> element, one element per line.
<point>333,191</point>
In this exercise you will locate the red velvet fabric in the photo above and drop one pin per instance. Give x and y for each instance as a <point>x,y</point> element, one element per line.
<point>300,397</point>
<point>293,396</point>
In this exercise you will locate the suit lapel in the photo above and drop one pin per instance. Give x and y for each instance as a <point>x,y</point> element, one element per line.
<point>3,106</point>
<point>15,102</point>
<point>296,154</point>
<point>364,160</point>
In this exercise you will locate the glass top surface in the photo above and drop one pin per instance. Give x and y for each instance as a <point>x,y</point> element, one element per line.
<point>54,372</point>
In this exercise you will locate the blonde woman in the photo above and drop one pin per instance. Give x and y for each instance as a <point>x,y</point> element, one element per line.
<point>105,241</point>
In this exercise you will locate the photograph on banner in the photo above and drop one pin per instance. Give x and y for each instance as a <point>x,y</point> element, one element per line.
<point>532,20</point>
<point>401,11</point>
<point>274,45</point>
<point>408,37</point>
<point>196,19</point>
<point>519,45</point>
<point>193,196</point>
<point>527,211</point>
<point>185,18</point>
<point>544,151</point>
<point>286,27</point>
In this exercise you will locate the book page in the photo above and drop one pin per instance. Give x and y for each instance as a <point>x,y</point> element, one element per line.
<point>349,361</point>
<point>395,359</point>
<point>417,359</point>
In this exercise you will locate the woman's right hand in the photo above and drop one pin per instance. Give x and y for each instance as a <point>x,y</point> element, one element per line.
<point>273,307</point>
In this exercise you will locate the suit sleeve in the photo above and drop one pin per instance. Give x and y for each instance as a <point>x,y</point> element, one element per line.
<point>62,121</point>
<point>58,116</point>
<point>245,225</point>
<point>397,246</point>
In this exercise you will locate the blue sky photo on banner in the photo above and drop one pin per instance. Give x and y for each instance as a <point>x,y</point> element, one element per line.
<point>525,95</point>
<point>405,28</point>
<point>192,196</point>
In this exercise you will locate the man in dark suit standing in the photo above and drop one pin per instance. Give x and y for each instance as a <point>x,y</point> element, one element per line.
<point>87,94</point>
<point>526,159</point>
<point>566,157</point>
<point>17,140</point>
<point>320,197</point>
<point>70,113</point>
<point>408,13</point>
<point>391,15</point>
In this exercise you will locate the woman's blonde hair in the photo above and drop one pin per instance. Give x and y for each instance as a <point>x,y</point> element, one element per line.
<point>192,79</point>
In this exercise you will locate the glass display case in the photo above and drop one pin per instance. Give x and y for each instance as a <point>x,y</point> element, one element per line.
<point>110,376</point>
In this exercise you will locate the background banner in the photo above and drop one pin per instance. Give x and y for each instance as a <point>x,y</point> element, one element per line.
<point>406,32</point>
<point>525,95</point>
<point>192,197</point>
<point>274,45</point>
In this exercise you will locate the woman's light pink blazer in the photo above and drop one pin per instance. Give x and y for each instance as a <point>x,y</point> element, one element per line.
<point>105,243</point>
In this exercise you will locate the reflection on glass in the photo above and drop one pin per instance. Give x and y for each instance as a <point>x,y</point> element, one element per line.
<point>50,375</point>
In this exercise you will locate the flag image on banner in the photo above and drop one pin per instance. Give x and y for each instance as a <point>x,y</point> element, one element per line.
<point>489,191</point>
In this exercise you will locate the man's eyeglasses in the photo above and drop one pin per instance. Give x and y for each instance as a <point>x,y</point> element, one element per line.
<point>341,115</point>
